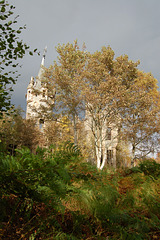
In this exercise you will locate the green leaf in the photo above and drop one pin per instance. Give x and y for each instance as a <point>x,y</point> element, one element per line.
<point>3,9</point>
<point>9,23</point>
<point>2,17</point>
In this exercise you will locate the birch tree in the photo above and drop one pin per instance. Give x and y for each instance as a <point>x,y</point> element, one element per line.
<point>114,94</point>
<point>141,125</point>
<point>101,94</point>
<point>66,73</point>
<point>140,107</point>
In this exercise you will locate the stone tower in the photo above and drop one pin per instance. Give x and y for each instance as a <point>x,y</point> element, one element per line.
<point>39,101</point>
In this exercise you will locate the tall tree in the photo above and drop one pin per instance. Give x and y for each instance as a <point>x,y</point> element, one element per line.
<point>66,76</point>
<point>115,95</point>
<point>142,112</point>
<point>11,49</point>
<point>126,72</point>
<point>101,91</point>
<point>139,107</point>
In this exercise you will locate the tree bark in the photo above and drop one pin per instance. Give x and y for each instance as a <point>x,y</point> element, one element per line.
<point>75,129</point>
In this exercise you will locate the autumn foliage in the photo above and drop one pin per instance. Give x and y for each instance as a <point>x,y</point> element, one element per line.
<point>106,92</point>
<point>55,194</point>
<point>57,183</point>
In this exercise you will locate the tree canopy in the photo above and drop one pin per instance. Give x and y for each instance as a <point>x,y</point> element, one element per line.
<point>67,74</point>
<point>113,92</point>
<point>12,48</point>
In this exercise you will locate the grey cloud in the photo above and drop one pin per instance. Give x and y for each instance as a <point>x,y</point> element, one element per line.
<point>129,27</point>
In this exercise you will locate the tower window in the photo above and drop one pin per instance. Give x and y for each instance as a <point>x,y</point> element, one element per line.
<point>41,122</point>
<point>108,133</point>
<point>109,155</point>
<point>43,94</point>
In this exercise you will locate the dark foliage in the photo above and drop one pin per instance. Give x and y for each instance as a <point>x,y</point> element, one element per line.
<point>12,48</point>
<point>53,194</point>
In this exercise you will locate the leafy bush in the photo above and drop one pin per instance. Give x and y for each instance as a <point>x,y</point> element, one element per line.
<point>150,167</point>
<point>29,178</point>
<point>54,194</point>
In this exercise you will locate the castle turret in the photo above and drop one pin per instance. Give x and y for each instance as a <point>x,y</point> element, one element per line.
<point>38,101</point>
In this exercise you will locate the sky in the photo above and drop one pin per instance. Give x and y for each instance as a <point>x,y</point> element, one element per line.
<point>129,27</point>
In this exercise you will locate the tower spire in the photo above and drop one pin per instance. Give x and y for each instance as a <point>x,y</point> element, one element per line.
<point>44,55</point>
<point>41,70</point>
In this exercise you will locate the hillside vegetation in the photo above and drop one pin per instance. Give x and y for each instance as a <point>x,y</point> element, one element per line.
<point>59,192</point>
<point>55,194</point>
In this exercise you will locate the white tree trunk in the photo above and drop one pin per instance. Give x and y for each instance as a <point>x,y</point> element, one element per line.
<point>104,159</point>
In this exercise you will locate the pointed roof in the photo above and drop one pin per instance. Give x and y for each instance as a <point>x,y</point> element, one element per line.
<point>41,71</point>
<point>31,83</point>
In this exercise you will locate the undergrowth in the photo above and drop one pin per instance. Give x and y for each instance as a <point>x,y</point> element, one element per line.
<point>55,194</point>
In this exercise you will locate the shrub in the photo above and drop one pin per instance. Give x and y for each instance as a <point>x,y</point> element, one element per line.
<point>150,167</point>
<point>54,194</point>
